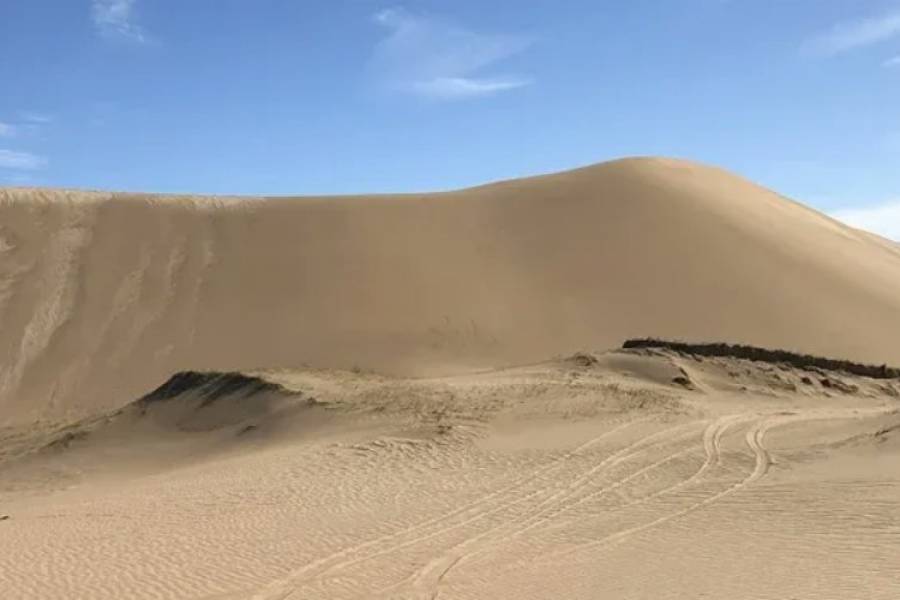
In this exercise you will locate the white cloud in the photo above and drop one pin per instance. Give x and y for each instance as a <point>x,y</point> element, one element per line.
<point>10,159</point>
<point>429,57</point>
<point>7,130</point>
<point>116,18</point>
<point>857,34</point>
<point>461,87</point>
<point>892,62</point>
<point>883,219</point>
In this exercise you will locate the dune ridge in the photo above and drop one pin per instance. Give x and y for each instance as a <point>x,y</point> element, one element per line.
<point>103,295</point>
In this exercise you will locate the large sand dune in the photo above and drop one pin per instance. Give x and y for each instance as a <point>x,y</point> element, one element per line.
<point>104,295</point>
<point>365,437</point>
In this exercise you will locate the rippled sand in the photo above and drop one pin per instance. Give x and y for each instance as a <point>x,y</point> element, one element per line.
<point>561,480</point>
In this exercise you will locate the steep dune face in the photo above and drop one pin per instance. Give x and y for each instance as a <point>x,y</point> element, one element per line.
<point>103,296</point>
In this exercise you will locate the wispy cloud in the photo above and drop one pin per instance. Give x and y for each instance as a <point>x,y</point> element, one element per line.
<point>463,87</point>
<point>429,57</point>
<point>7,130</point>
<point>857,34</point>
<point>116,18</point>
<point>892,63</point>
<point>883,219</point>
<point>10,159</point>
<point>35,117</point>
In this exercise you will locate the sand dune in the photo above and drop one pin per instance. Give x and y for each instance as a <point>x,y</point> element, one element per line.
<point>104,295</point>
<point>355,397</point>
<point>631,474</point>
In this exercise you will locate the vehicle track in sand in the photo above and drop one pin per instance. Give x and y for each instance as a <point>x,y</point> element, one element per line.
<point>437,570</point>
<point>547,497</point>
<point>754,439</point>
<point>284,587</point>
<point>511,499</point>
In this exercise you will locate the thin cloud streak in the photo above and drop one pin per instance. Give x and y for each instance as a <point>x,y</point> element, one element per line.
<point>25,161</point>
<point>116,19</point>
<point>882,219</point>
<point>428,57</point>
<point>38,118</point>
<point>448,88</point>
<point>858,34</point>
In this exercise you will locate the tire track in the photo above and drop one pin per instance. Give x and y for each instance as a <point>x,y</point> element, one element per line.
<point>754,439</point>
<point>453,561</point>
<point>712,445</point>
<point>484,514</point>
<point>427,581</point>
<point>444,564</point>
<point>283,588</point>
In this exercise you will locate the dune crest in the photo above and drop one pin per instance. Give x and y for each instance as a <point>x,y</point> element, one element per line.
<point>103,295</point>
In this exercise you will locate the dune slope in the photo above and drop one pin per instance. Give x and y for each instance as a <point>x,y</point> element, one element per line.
<point>103,296</point>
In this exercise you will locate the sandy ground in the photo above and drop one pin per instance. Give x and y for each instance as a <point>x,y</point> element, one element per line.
<point>579,478</point>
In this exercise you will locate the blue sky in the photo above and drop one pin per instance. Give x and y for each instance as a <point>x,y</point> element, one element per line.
<point>339,96</point>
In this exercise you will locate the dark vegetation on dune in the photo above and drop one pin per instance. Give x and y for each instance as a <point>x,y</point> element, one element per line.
<point>210,386</point>
<point>794,359</point>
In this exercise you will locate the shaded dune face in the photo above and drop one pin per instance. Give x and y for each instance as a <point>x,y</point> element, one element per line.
<point>104,295</point>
